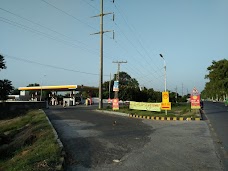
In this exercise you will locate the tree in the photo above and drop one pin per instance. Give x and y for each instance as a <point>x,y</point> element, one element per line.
<point>2,62</point>
<point>15,92</point>
<point>5,89</point>
<point>128,87</point>
<point>129,90</point>
<point>125,79</point>
<point>217,87</point>
<point>5,85</point>
<point>33,85</point>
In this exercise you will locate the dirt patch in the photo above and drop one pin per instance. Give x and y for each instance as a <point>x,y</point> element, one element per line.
<point>25,152</point>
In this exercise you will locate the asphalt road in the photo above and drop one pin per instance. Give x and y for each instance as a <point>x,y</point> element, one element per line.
<point>217,113</point>
<point>94,141</point>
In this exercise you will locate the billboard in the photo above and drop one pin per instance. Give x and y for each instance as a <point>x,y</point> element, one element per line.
<point>145,106</point>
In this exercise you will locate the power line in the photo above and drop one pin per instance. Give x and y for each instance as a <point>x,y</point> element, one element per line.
<point>135,48</point>
<point>30,29</point>
<point>44,34</point>
<point>60,40</point>
<point>76,18</point>
<point>47,65</point>
<point>90,5</point>
<point>132,30</point>
<point>41,26</point>
<point>136,41</point>
<point>66,13</point>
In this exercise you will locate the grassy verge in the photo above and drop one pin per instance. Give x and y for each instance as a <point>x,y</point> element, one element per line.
<point>28,143</point>
<point>178,110</point>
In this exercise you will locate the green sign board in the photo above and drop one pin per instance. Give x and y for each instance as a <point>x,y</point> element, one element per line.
<point>145,106</point>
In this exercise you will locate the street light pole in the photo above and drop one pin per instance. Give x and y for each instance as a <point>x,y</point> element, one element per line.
<point>164,70</point>
<point>164,75</point>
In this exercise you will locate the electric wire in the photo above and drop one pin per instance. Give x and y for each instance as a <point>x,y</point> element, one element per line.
<point>47,65</point>
<point>46,35</point>
<point>66,13</point>
<point>153,73</point>
<point>133,30</point>
<point>13,23</point>
<point>38,24</point>
<point>140,42</point>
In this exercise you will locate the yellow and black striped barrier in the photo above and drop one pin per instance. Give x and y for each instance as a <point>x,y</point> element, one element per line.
<point>164,118</point>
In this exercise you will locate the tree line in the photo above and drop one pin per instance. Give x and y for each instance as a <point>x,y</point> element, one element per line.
<point>217,85</point>
<point>129,90</point>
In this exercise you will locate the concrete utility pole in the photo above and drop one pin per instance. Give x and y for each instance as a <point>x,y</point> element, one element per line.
<point>118,74</point>
<point>101,53</point>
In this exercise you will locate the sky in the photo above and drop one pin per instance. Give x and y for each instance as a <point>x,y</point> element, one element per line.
<point>51,42</point>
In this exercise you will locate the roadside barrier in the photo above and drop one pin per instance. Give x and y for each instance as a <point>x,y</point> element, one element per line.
<point>164,118</point>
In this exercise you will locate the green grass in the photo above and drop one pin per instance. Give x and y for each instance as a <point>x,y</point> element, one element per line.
<point>28,143</point>
<point>178,110</point>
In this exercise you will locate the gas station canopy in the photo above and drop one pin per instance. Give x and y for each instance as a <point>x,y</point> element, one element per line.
<point>58,88</point>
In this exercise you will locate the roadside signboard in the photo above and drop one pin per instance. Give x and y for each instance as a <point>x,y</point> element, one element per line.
<point>195,99</point>
<point>115,104</point>
<point>145,106</point>
<point>165,105</point>
<point>116,86</point>
<point>165,97</point>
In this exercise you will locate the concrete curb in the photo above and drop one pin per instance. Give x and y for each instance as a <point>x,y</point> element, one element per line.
<point>63,154</point>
